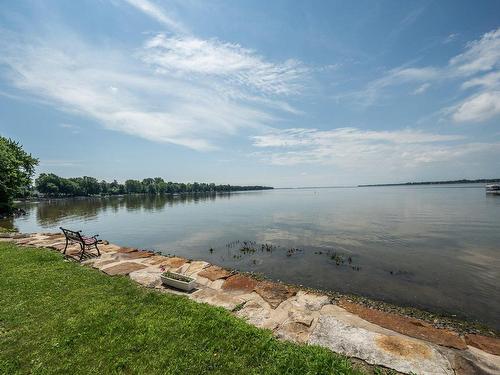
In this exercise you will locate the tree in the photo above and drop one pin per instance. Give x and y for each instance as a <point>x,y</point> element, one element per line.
<point>16,169</point>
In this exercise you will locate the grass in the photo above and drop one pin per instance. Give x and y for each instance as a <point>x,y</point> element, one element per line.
<point>57,317</point>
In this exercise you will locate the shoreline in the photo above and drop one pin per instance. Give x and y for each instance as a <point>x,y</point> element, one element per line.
<point>439,319</point>
<point>304,315</point>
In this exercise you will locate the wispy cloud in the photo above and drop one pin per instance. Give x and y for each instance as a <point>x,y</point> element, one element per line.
<point>422,88</point>
<point>476,68</point>
<point>451,38</point>
<point>478,107</point>
<point>188,56</point>
<point>75,129</point>
<point>366,150</point>
<point>180,89</point>
<point>159,14</point>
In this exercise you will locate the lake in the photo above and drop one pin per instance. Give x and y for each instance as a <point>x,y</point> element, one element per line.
<point>432,247</point>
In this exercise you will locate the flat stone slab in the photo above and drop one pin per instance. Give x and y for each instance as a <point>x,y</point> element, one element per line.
<point>488,344</point>
<point>108,248</point>
<point>174,262</point>
<point>396,352</point>
<point>214,273</point>
<point>123,268</point>
<point>146,278</point>
<point>293,331</point>
<point>239,283</point>
<point>311,301</point>
<point>483,362</point>
<point>157,259</point>
<point>274,293</point>
<point>126,250</point>
<point>195,267</point>
<point>136,255</point>
<point>407,326</point>
<point>254,313</point>
<point>216,298</point>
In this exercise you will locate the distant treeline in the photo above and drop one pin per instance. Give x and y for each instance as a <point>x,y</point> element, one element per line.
<point>482,180</point>
<point>52,185</point>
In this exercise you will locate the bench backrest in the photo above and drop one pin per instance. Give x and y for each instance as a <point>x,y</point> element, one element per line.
<point>72,235</point>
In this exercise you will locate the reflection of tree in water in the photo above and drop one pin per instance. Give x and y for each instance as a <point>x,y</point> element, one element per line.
<point>52,212</point>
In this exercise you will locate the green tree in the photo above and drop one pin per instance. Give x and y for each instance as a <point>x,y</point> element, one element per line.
<point>16,169</point>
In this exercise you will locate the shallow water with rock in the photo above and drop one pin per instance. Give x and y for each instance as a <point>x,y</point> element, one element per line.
<point>433,247</point>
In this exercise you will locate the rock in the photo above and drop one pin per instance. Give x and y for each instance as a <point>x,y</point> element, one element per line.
<point>214,273</point>
<point>102,263</point>
<point>182,269</point>
<point>6,235</point>
<point>396,352</point>
<point>293,331</point>
<point>174,262</point>
<point>125,250</point>
<point>216,298</point>
<point>135,255</point>
<point>203,281</point>
<point>157,259</point>
<point>301,317</point>
<point>239,283</point>
<point>466,363</point>
<point>146,278</point>
<point>486,362</point>
<point>56,245</point>
<point>408,326</point>
<point>254,313</point>
<point>311,301</point>
<point>123,268</point>
<point>196,266</point>
<point>488,344</point>
<point>217,284</point>
<point>108,248</point>
<point>274,293</point>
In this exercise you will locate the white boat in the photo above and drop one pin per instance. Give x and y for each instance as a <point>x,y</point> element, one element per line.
<point>493,189</point>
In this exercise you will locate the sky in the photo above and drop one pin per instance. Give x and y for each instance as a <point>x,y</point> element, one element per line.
<point>281,93</point>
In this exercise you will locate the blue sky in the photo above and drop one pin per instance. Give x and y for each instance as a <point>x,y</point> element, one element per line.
<point>285,93</point>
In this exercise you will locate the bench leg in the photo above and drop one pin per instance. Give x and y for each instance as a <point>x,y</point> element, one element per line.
<point>65,247</point>
<point>98,252</point>
<point>83,250</point>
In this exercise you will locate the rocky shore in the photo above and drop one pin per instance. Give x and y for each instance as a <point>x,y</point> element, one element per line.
<point>370,332</point>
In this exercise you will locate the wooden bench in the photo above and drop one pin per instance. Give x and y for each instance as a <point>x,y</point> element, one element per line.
<point>86,243</point>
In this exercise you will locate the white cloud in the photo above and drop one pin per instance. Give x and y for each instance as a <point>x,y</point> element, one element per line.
<point>158,14</point>
<point>366,151</point>
<point>486,81</point>
<point>189,56</point>
<point>451,38</point>
<point>477,68</point>
<point>421,89</point>
<point>176,102</point>
<point>479,56</point>
<point>481,107</point>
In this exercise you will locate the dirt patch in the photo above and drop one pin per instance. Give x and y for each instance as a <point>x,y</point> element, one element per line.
<point>214,273</point>
<point>239,283</point>
<point>403,347</point>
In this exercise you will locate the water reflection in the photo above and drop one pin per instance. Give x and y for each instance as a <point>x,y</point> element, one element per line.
<point>51,212</point>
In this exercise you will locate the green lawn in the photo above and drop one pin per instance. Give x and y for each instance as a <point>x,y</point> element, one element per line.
<point>59,317</point>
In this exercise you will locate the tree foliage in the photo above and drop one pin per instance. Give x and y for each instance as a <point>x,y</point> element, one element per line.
<point>16,169</point>
<point>54,186</point>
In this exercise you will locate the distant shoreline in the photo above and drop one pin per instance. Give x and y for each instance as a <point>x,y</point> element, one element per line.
<point>479,181</point>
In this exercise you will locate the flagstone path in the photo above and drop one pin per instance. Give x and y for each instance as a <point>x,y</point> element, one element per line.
<point>404,344</point>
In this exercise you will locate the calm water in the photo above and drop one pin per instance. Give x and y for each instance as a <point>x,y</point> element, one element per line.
<point>434,247</point>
